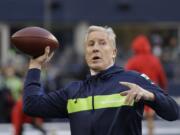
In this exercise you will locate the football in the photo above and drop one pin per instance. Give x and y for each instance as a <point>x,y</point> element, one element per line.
<point>33,40</point>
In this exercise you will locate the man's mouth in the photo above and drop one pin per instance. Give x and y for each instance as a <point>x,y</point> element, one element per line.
<point>96,58</point>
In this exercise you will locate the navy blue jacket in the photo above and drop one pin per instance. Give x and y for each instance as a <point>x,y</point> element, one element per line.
<point>94,106</point>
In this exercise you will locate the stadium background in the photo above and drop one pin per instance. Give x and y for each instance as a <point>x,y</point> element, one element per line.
<point>68,20</point>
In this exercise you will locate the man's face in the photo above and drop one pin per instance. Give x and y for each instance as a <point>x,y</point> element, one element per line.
<point>99,51</point>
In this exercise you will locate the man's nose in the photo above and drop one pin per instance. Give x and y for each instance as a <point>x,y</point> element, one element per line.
<point>96,48</point>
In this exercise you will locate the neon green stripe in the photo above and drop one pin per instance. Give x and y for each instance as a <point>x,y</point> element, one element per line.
<point>108,101</point>
<point>101,101</point>
<point>82,104</point>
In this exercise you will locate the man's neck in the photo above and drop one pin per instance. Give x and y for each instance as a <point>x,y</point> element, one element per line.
<point>93,72</point>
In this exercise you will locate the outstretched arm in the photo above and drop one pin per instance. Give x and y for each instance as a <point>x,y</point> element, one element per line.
<point>163,104</point>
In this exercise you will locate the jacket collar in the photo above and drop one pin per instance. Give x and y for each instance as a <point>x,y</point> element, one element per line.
<point>106,73</point>
<point>95,73</point>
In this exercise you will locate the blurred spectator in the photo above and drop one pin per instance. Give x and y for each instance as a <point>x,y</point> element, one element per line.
<point>157,41</point>
<point>6,101</point>
<point>19,118</point>
<point>170,45</point>
<point>6,104</point>
<point>145,62</point>
<point>168,64</point>
<point>12,82</point>
<point>10,91</point>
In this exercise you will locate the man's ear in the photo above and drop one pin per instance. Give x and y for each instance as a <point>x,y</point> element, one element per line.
<point>114,53</point>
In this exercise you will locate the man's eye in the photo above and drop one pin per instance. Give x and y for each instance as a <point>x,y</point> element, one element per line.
<point>90,44</point>
<point>102,42</point>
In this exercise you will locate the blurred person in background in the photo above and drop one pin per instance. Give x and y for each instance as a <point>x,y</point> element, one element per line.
<point>170,57</point>
<point>13,98</point>
<point>6,104</point>
<point>12,81</point>
<point>110,101</point>
<point>145,62</point>
<point>6,100</point>
<point>171,45</point>
<point>168,64</point>
<point>11,109</point>
<point>18,119</point>
<point>157,41</point>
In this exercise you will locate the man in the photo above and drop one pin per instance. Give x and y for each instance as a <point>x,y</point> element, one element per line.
<point>109,102</point>
<point>145,62</point>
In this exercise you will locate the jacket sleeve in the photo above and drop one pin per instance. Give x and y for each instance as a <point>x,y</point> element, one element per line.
<point>163,104</point>
<point>36,103</point>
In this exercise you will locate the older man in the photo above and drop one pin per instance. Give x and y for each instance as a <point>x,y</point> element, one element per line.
<point>109,102</point>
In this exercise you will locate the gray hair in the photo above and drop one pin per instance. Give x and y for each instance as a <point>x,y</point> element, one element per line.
<point>105,29</point>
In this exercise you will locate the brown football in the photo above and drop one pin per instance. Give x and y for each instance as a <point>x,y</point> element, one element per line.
<point>33,40</point>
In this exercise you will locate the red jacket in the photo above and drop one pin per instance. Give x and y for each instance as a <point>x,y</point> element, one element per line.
<point>145,62</point>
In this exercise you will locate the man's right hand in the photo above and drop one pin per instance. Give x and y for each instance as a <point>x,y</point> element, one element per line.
<point>41,60</point>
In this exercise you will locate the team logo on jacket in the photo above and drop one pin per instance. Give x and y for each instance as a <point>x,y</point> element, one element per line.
<point>147,78</point>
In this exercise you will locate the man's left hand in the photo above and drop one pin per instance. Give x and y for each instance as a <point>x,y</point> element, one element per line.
<point>135,93</point>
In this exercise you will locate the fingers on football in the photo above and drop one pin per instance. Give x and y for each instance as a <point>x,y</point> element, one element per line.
<point>50,56</point>
<point>47,51</point>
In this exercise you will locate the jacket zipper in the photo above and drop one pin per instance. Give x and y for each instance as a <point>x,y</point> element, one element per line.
<point>94,82</point>
<point>93,102</point>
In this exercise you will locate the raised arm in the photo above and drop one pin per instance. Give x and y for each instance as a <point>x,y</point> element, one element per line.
<point>35,102</point>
